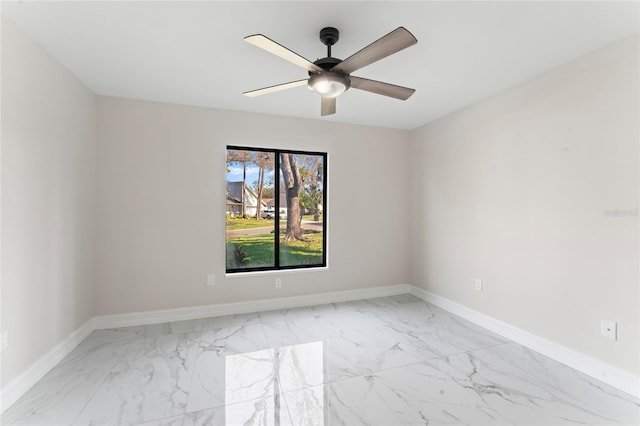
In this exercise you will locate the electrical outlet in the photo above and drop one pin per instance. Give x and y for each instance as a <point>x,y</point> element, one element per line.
<point>211,280</point>
<point>609,329</point>
<point>4,340</point>
<point>278,282</point>
<point>479,284</point>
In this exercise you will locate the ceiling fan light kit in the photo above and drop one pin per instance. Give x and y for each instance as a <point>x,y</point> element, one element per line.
<point>329,84</point>
<point>329,77</point>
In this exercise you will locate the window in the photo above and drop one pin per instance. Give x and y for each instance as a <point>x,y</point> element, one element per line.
<point>276,216</point>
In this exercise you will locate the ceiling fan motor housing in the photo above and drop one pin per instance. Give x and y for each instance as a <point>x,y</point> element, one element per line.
<point>328,83</point>
<point>326,63</point>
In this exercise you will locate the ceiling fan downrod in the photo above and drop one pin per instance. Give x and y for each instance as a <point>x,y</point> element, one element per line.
<point>329,36</point>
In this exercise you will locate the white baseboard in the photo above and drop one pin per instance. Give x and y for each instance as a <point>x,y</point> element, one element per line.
<point>17,387</point>
<point>618,378</point>
<point>21,384</point>
<point>168,315</point>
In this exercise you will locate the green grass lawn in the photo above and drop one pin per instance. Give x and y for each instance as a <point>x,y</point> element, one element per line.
<point>252,222</point>
<point>259,250</point>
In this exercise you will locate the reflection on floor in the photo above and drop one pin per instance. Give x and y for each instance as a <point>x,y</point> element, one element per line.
<point>386,361</point>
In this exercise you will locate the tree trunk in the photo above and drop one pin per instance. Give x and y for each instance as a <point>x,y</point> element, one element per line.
<point>292,182</point>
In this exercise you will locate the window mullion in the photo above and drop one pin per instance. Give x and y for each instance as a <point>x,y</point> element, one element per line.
<point>276,195</point>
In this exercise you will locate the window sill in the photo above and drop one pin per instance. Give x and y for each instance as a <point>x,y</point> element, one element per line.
<point>275,272</point>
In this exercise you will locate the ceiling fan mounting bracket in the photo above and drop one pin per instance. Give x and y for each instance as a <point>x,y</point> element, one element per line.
<point>329,36</point>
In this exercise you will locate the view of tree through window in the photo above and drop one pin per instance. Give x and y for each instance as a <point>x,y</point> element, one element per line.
<point>270,229</point>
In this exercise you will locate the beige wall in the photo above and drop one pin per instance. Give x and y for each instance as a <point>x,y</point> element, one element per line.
<point>514,190</point>
<point>521,190</point>
<point>162,205</point>
<point>48,201</point>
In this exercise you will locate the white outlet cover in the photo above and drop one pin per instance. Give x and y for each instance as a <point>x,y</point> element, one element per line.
<point>478,284</point>
<point>4,340</point>
<point>211,280</point>
<point>609,329</point>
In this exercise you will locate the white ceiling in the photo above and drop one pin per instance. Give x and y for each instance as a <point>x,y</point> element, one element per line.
<point>193,52</point>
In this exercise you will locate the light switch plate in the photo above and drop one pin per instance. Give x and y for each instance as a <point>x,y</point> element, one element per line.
<point>211,280</point>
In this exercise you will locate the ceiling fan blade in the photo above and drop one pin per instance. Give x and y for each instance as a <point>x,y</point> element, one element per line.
<point>328,106</point>
<point>279,50</point>
<point>393,42</point>
<point>386,89</point>
<point>276,88</point>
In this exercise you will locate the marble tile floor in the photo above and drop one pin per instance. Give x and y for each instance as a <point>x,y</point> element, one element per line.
<point>386,361</point>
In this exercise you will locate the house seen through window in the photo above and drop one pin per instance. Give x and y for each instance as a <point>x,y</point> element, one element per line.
<point>275,209</point>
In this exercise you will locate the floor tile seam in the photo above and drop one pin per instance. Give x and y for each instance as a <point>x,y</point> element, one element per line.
<point>357,376</point>
<point>277,375</point>
<point>432,360</point>
<point>384,370</point>
<point>273,361</point>
<point>495,345</point>
<point>202,350</point>
<point>419,361</point>
<point>283,400</point>
<point>235,327</point>
<point>195,365</point>
<point>334,382</point>
<point>463,322</point>
<point>65,362</point>
<point>242,401</point>
<point>222,327</point>
<point>286,319</point>
<point>272,349</point>
<point>102,379</point>
<point>194,412</point>
<point>173,333</point>
<point>338,381</point>
<point>219,327</point>
<point>461,352</point>
<point>389,407</point>
<point>102,382</point>
<point>159,419</point>
<point>276,371</point>
<point>192,330</point>
<point>266,338</point>
<point>551,390</point>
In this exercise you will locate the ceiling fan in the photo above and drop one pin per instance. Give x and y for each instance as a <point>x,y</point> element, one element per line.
<point>329,76</point>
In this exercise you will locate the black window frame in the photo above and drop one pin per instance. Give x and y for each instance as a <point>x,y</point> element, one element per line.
<point>276,174</point>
